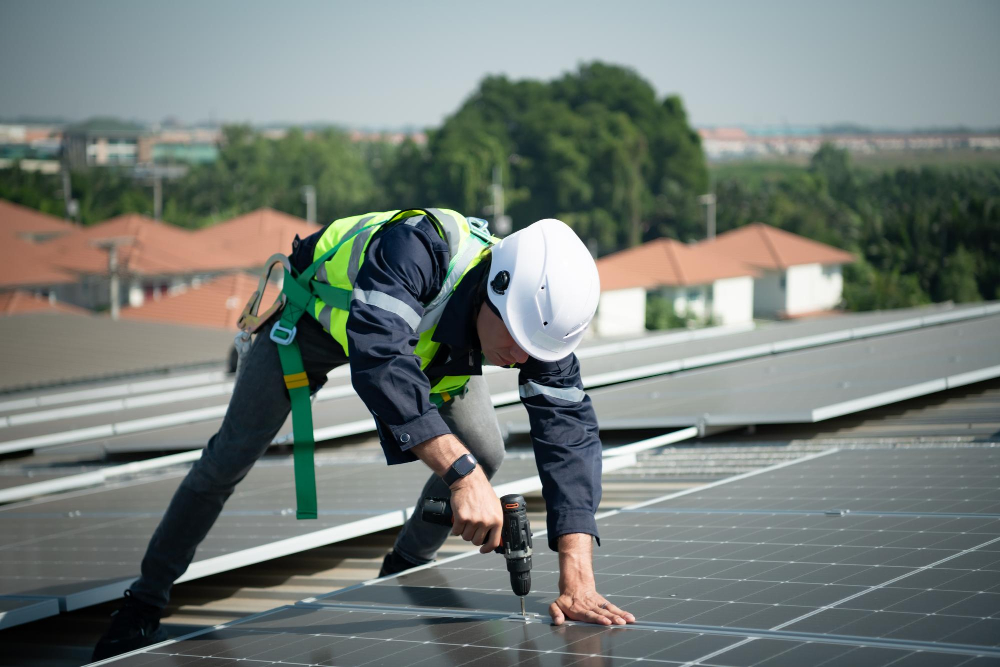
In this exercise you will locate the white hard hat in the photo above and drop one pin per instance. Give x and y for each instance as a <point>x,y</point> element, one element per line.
<point>544,283</point>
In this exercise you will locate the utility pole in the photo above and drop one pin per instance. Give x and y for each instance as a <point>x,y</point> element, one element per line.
<point>309,194</point>
<point>501,223</point>
<point>114,275</point>
<point>709,203</point>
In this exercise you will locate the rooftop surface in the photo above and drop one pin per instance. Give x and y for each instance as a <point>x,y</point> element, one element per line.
<point>254,237</point>
<point>216,303</point>
<point>145,247</point>
<point>27,223</point>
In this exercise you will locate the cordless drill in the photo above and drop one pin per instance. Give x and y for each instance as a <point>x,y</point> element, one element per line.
<point>515,537</point>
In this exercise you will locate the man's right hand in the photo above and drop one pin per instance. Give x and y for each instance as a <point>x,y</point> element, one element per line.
<point>476,510</point>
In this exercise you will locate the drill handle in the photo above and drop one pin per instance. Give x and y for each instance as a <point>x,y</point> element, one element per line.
<point>437,510</point>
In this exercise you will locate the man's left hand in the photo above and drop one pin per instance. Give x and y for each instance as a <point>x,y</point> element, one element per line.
<point>588,606</point>
<point>578,597</point>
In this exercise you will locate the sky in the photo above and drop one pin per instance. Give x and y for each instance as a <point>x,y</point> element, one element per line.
<point>880,63</point>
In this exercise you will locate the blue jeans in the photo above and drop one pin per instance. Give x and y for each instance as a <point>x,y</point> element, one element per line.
<point>257,410</point>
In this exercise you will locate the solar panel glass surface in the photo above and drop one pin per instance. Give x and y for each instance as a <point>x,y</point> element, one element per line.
<point>925,579</point>
<point>73,545</point>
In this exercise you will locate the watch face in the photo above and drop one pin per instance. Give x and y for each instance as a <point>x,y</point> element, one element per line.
<point>465,465</point>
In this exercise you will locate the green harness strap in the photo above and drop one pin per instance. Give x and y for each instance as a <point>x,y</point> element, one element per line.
<point>283,333</point>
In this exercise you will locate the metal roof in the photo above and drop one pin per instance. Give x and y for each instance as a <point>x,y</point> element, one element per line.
<point>45,349</point>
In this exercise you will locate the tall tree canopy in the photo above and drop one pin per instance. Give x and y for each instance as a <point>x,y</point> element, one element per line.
<point>595,148</point>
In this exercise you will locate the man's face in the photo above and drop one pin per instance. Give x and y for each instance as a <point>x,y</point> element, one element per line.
<point>499,347</point>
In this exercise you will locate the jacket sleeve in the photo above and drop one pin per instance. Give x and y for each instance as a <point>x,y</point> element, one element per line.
<point>567,446</point>
<point>404,268</point>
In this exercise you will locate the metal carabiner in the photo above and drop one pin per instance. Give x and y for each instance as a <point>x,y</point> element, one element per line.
<point>250,321</point>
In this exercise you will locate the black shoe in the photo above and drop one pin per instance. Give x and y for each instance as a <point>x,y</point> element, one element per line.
<point>134,625</point>
<point>393,563</point>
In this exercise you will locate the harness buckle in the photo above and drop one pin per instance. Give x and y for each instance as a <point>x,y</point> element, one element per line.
<point>250,321</point>
<point>481,230</point>
<point>283,335</point>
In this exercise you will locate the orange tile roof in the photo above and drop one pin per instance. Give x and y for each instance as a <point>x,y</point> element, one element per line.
<point>24,264</point>
<point>24,222</point>
<point>216,304</point>
<point>666,262</point>
<point>17,302</point>
<point>149,247</point>
<point>767,247</point>
<point>254,237</point>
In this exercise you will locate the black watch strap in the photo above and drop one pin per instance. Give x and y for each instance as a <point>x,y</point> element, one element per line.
<point>462,466</point>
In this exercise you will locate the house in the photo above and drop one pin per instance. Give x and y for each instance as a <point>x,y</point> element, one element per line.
<point>798,276</point>
<point>217,303</point>
<point>26,267</point>
<point>18,302</point>
<point>697,282</point>
<point>30,225</point>
<point>152,257</point>
<point>254,237</point>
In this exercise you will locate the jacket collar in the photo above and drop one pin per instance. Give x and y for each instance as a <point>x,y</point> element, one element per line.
<point>457,327</point>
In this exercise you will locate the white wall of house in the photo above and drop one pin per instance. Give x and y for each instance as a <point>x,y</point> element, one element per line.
<point>769,294</point>
<point>621,312</point>
<point>812,287</point>
<point>733,300</point>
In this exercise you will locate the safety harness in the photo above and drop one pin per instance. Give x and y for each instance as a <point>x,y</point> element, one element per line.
<point>303,293</point>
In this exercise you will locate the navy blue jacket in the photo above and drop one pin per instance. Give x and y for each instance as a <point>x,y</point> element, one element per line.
<point>410,263</point>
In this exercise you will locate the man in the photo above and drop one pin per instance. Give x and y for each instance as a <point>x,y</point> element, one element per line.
<point>415,301</point>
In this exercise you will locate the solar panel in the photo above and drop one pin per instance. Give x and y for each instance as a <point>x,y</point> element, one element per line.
<point>83,547</point>
<point>97,422</point>
<point>15,611</point>
<point>805,386</point>
<point>922,580</point>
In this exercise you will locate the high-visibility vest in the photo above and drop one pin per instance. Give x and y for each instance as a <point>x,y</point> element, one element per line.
<point>335,277</point>
<point>326,290</point>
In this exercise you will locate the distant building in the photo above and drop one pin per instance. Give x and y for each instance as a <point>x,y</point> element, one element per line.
<point>102,142</point>
<point>697,282</point>
<point>31,147</point>
<point>183,146</point>
<point>798,276</point>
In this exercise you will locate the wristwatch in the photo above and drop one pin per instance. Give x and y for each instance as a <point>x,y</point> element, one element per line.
<point>465,464</point>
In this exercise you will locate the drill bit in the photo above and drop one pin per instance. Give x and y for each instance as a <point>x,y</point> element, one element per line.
<point>522,604</point>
